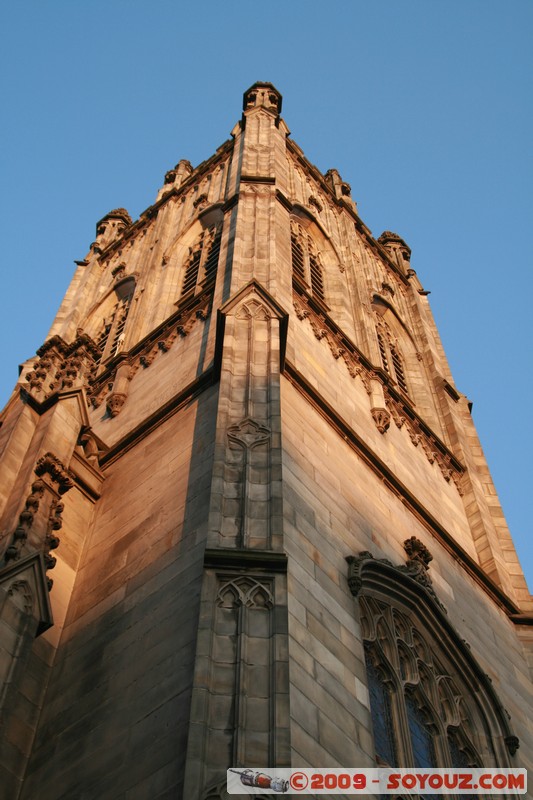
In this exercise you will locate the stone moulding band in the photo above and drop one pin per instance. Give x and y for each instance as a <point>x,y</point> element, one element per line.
<point>233,558</point>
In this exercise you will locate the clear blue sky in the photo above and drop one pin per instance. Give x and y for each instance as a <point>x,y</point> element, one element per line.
<point>425,107</point>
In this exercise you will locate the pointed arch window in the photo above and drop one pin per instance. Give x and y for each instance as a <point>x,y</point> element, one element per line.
<point>420,677</point>
<point>307,269</point>
<point>422,732</point>
<point>110,340</point>
<point>202,263</point>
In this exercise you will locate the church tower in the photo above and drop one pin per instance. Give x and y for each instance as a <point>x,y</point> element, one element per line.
<point>245,516</point>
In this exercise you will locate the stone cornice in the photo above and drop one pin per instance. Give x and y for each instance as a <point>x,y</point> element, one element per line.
<point>245,559</point>
<point>398,488</point>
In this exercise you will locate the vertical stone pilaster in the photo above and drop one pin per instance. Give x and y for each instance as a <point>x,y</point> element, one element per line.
<point>240,706</point>
<point>240,703</point>
<point>245,507</point>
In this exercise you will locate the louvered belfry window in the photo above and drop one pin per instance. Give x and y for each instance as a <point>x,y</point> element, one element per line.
<point>391,357</point>
<point>201,266</point>
<point>307,268</point>
<point>111,338</point>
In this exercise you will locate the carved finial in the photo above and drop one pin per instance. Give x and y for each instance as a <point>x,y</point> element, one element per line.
<point>175,177</point>
<point>396,247</point>
<point>110,226</point>
<point>341,189</point>
<point>417,551</point>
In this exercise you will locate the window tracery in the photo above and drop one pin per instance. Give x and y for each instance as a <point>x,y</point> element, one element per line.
<point>419,692</point>
<point>431,704</point>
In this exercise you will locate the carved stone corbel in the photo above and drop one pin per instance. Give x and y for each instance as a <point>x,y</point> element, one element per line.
<point>382,419</point>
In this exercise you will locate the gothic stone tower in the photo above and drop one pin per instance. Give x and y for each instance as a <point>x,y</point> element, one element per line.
<point>273,539</point>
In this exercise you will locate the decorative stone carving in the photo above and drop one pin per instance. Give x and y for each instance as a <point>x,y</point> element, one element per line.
<point>417,551</point>
<point>245,591</point>
<point>382,419</point>
<point>395,247</point>
<point>319,330</point>
<point>409,641</point>
<point>41,516</point>
<point>115,403</point>
<point>61,366</point>
<point>416,568</point>
<point>200,202</point>
<point>301,311</point>
<point>21,589</point>
<point>52,466</point>
<point>358,366</point>
<point>118,272</point>
<point>118,213</point>
<point>355,567</point>
<point>20,535</point>
<point>90,447</point>
<point>249,433</point>
<point>313,201</point>
<point>254,309</point>
<point>216,792</point>
<point>179,325</point>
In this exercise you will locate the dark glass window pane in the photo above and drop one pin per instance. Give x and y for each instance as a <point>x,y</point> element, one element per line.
<point>459,759</point>
<point>380,709</point>
<point>421,737</point>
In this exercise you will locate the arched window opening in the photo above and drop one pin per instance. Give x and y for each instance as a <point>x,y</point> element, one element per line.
<point>383,353</point>
<point>202,264</point>
<point>420,675</point>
